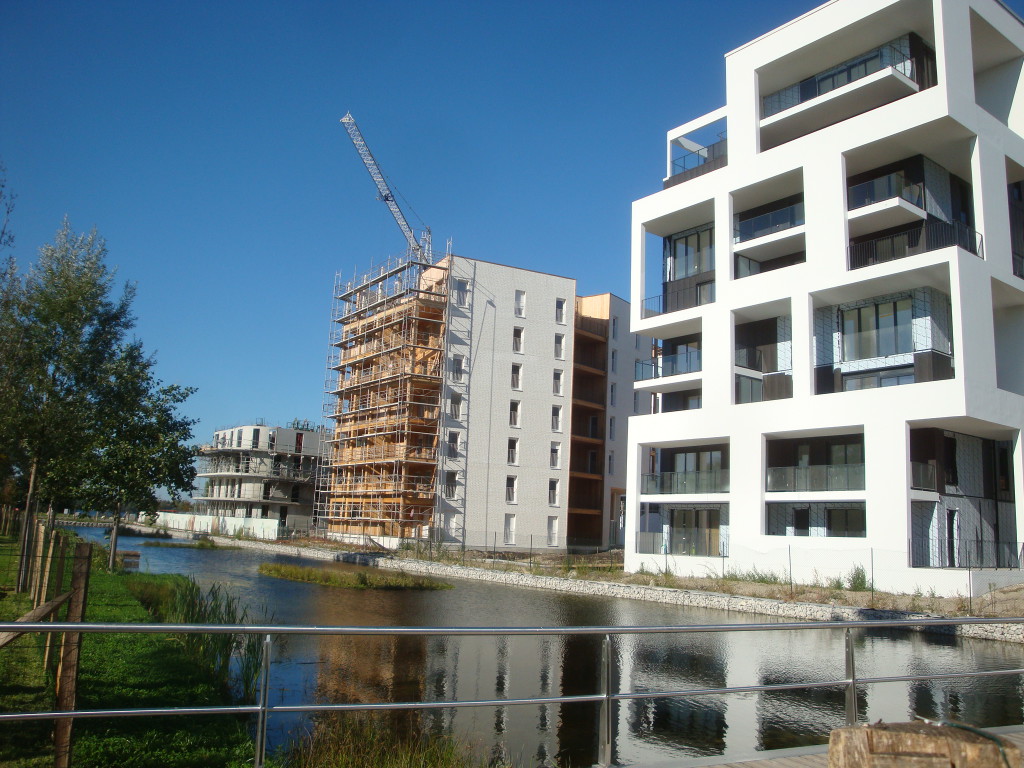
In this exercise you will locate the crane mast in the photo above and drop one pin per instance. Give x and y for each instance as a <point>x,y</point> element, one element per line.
<point>383,190</point>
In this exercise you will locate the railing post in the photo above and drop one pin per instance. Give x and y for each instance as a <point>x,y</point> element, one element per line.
<point>605,727</point>
<point>264,696</point>
<point>851,681</point>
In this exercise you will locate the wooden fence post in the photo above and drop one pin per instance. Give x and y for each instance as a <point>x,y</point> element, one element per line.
<point>67,672</point>
<point>58,578</point>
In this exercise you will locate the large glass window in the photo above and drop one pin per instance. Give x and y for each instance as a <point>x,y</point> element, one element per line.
<point>878,330</point>
<point>690,253</point>
<point>845,523</point>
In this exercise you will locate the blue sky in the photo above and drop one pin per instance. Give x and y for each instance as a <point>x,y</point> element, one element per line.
<point>202,141</point>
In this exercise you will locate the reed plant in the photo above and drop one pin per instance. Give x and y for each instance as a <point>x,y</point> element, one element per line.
<point>351,579</point>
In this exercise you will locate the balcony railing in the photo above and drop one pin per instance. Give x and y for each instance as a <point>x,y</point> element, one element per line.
<point>922,476</point>
<point>930,236</point>
<point>596,325</point>
<point>695,542</point>
<point>884,188</point>
<point>693,164</point>
<point>942,552</point>
<point>749,357</point>
<point>668,365</point>
<point>821,477</point>
<point>714,481</point>
<point>769,223</point>
<point>835,77</point>
<point>678,299</point>
<point>1018,264</point>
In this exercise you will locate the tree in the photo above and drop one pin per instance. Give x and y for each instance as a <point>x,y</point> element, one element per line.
<point>81,412</point>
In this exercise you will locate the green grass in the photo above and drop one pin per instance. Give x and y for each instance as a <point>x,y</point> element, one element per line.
<point>200,544</point>
<point>350,579</point>
<point>127,671</point>
<point>372,742</point>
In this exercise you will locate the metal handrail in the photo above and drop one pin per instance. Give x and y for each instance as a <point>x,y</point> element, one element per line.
<point>605,696</point>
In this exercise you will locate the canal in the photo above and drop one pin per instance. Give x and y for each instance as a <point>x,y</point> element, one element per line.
<point>649,732</point>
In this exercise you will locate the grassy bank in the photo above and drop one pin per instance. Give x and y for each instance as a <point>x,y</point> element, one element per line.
<point>129,671</point>
<point>350,579</point>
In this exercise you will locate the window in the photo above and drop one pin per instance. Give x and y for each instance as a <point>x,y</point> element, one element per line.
<point>461,292</point>
<point>255,438</point>
<point>690,252</point>
<point>239,438</point>
<point>615,328</point>
<point>556,456</point>
<point>636,402</point>
<point>455,406</point>
<point>556,382</point>
<point>749,390</point>
<point>615,361</point>
<point>513,413</point>
<point>513,450</point>
<point>705,292</point>
<point>458,368</point>
<point>517,376</point>
<point>450,483</point>
<point>802,522</point>
<point>949,460</point>
<point>510,529</point>
<point>556,418</point>
<point>611,463</point>
<point>552,530</point>
<point>520,307</point>
<point>453,445</point>
<point>510,489</point>
<point>517,339</point>
<point>845,523</point>
<point>611,428</point>
<point>559,346</point>
<point>553,492</point>
<point>878,330</point>
<point>611,395</point>
<point>560,311</point>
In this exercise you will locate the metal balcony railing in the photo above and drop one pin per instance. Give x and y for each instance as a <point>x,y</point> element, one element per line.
<point>822,477</point>
<point>606,692</point>
<point>697,163</point>
<point>929,236</point>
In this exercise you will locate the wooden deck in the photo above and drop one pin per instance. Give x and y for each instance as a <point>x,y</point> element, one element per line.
<point>820,759</point>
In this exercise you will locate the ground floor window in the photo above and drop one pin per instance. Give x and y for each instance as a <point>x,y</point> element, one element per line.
<point>695,530</point>
<point>510,529</point>
<point>837,519</point>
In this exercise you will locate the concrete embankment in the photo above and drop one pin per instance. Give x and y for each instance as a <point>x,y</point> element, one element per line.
<point>697,599</point>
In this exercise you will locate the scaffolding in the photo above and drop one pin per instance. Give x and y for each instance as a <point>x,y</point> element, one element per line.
<point>383,399</point>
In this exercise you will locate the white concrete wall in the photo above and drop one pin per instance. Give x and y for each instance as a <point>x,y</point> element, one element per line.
<point>225,526</point>
<point>945,124</point>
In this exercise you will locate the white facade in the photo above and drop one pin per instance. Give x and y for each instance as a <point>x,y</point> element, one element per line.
<point>512,439</point>
<point>257,473</point>
<point>837,299</point>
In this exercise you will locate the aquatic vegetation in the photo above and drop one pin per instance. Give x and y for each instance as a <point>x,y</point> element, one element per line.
<point>350,579</point>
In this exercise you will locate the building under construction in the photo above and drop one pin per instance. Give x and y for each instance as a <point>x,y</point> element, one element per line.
<point>451,392</point>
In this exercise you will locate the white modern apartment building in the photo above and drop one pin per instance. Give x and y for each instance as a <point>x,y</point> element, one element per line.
<point>476,404</point>
<point>833,279</point>
<point>256,479</point>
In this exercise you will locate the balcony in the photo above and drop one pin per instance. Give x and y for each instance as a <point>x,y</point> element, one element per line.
<point>770,235</point>
<point>680,298</point>
<point>884,203</point>
<point>939,551</point>
<point>715,481</point>
<point>750,358</point>
<point>929,236</point>
<point>823,477</point>
<point>668,365</point>
<point>858,85</point>
<point>598,326</point>
<point>698,161</point>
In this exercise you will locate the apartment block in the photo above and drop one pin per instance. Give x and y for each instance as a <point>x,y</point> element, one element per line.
<point>257,479</point>
<point>475,404</point>
<point>832,282</point>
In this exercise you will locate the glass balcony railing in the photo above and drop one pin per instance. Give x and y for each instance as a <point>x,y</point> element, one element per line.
<point>697,163</point>
<point>922,476</point>
<point>929,236</point>
<point>895,54</point>
<point>749,357</point>
<point>769,223</point>
<point>668,365</point>
<point>884,188</point>
<point>714,481</point>
<point>822,477</point>
<point>679,299</point>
